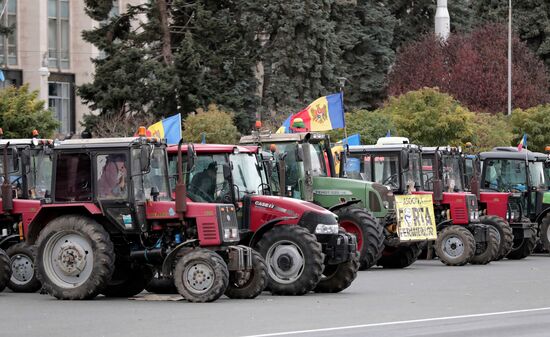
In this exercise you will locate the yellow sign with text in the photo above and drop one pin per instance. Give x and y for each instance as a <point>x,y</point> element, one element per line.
<point>415,217</point>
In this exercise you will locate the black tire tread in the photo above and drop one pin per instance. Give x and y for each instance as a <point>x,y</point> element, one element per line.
<point>104,259</point>
<point>525,248</point>
<point>220,269</point>
<point>258,283</point>
<point>312,250</point>
<point>342,278</point>
<point>33,285</point>
<point>5,270</point>
<point>373,234</point>
<point>467,238</point>
<point>491,249</point>
<point>545,224</point>
<point>402,257</point>
<point>506,234</point>
<point>137,278</point>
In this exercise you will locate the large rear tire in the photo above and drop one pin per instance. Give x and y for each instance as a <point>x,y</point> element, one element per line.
<point>5,270</point>
<point>23,278</point>
<point>487,250</point>
<point>201,275</point>
<point>294,259</point>
<point>248,284</point>
<point>338,277</point>
<point>369,233</point>
<point>128,281</point>
<point>523,248</point>
<point>455,245</point>
<point>75,258</point>
<point>505,237</point>
<point>401,256</point>
<point>545,232</point>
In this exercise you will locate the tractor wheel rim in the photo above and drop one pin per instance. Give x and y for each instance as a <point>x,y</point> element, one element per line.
<point>453,246</point>
<point>352,228</point>
<point>68,259</point>
<point>199,277</point>
<point>23,269</point>
<point>285,262</point>
<point>548,234</point>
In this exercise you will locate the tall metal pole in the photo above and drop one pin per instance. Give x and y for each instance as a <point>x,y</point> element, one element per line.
<point>509,57</point>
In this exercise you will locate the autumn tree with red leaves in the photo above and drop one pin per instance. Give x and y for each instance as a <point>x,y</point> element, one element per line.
<point>473,69</point>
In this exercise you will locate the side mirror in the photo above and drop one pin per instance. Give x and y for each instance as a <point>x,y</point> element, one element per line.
<point>145,158</point>
<point>299,152</point>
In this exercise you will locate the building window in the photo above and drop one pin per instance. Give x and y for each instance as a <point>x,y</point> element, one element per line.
<point>8,43</point>
<point>59,101</point>
<point>58,34</point>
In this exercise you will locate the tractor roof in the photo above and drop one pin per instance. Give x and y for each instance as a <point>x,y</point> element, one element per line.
<point>382,148</point>
<point>281,137</point>
<point>104,142</point>
<point>442,149</point>
<point>508,153</point>
<point>18,141</point>
<point>217,148</point>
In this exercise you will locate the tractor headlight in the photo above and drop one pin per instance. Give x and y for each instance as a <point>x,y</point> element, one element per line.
<point>386,204</point>
<point>474,215</point>
<point>231,234</point>
<point>326,229</point>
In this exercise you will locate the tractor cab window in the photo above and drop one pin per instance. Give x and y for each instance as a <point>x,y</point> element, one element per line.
<point>318,158</point>
<point>411,176</point>
<point>112,177</point>
<point>73,177</point>
<point>505,175</point>
<point>293,168</point>
<point>15,175</point>
<point>386,170</point>
<point>452,173</point>
<point>209,179</point>
<point>247,174</point>
<point>536,172</point>
<point>428,173</point>
<point>39,175</point>
<point>358,166</point>
<point>468,171</point>
<point>146,184</point>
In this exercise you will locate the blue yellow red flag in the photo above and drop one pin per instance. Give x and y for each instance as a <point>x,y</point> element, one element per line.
<point>169,128</point>
<point>325,113</point>
<point>523,142</point>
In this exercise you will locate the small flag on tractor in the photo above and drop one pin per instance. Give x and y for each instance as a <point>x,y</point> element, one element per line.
<point>325,113</point>
<point>169,128</point>
<point>523,142</point>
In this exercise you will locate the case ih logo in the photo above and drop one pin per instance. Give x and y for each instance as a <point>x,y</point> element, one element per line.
<point>264,204</point>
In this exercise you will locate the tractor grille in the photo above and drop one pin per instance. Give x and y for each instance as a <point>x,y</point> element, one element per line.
<point>210,231</point>
<point>460,215</point>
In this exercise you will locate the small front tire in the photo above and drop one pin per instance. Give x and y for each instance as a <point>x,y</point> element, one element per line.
<point>23,278</point>
<point>250,283</point>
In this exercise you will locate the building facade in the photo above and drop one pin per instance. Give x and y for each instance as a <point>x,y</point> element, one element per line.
<point>46,50</point>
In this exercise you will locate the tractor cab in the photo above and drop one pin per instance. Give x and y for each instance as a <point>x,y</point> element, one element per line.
<point>392,162</point>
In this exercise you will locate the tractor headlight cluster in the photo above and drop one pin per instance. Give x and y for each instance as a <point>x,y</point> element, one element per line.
<point>326,229</point>
<point>231,234</point>
<point>474,215</point>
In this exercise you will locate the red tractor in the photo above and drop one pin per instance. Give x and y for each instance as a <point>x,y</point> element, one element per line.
<point>26,178</point>
<point>301,242</point>
<point>110,218</point>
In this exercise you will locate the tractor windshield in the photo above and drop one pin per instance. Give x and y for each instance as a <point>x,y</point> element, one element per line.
<point>537,175</point>
<point>247,174</point>
<point>505,175</point>
<point>412,175</point>
<point>386,170</point>
<point>40,174</point>
<point>318,161</point>
<point>452,173</point>
<point>155,178</point>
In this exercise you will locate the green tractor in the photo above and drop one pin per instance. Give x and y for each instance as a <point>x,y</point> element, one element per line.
<point>305,167</point>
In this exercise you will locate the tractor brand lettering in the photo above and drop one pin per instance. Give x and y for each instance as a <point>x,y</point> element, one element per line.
<point>415,217</point>
<point>263,204</point>
<point>332,192</point>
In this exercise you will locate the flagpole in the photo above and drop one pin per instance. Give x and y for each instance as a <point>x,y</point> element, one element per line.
<point>342,83</point>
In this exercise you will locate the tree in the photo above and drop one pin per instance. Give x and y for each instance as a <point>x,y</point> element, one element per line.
<point>217,125</point>
<point>430,118</point>
<point>530,19</point>
<point>535,122</point>
<point>371,125</point>
<point>364,31</point>
<point>21,112</point>
<point>472,68</point>
<point>490,131</point>
<point>416,18</point>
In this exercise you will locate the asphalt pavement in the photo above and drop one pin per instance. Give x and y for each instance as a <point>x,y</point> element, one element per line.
<point>504,298</point>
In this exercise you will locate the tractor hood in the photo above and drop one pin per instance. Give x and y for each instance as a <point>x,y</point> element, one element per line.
<point>329,192</point>
<point>264,208</point>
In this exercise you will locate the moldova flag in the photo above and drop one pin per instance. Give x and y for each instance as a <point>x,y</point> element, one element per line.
<point>169,128</point>
<point>523,142</point>
<point>325,113</point>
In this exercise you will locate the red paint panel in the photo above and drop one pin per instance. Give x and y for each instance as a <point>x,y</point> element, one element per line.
<point>496,203</point>
<point>457,206</point>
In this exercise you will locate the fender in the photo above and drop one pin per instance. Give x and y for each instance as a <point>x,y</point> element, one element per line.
<point>542,215</point>
<point>171,257</point>
<point>266,227</point>
<point>13,237</point>
<point>344,204</point>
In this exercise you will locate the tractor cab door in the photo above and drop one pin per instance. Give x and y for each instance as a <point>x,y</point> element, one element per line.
<point>209,180</point>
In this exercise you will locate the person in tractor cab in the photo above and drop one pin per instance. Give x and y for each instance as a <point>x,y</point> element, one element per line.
<point>204,183</point>
<point>112,183</point>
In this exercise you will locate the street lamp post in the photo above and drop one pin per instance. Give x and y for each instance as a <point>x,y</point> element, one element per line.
<point>509,57</point>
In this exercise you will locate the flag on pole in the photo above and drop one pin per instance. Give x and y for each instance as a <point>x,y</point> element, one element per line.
<point>325,113</point>
<point>338,148</point>
<point>169,128</point>
<point>388,134</point>
<point>523,142</point>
